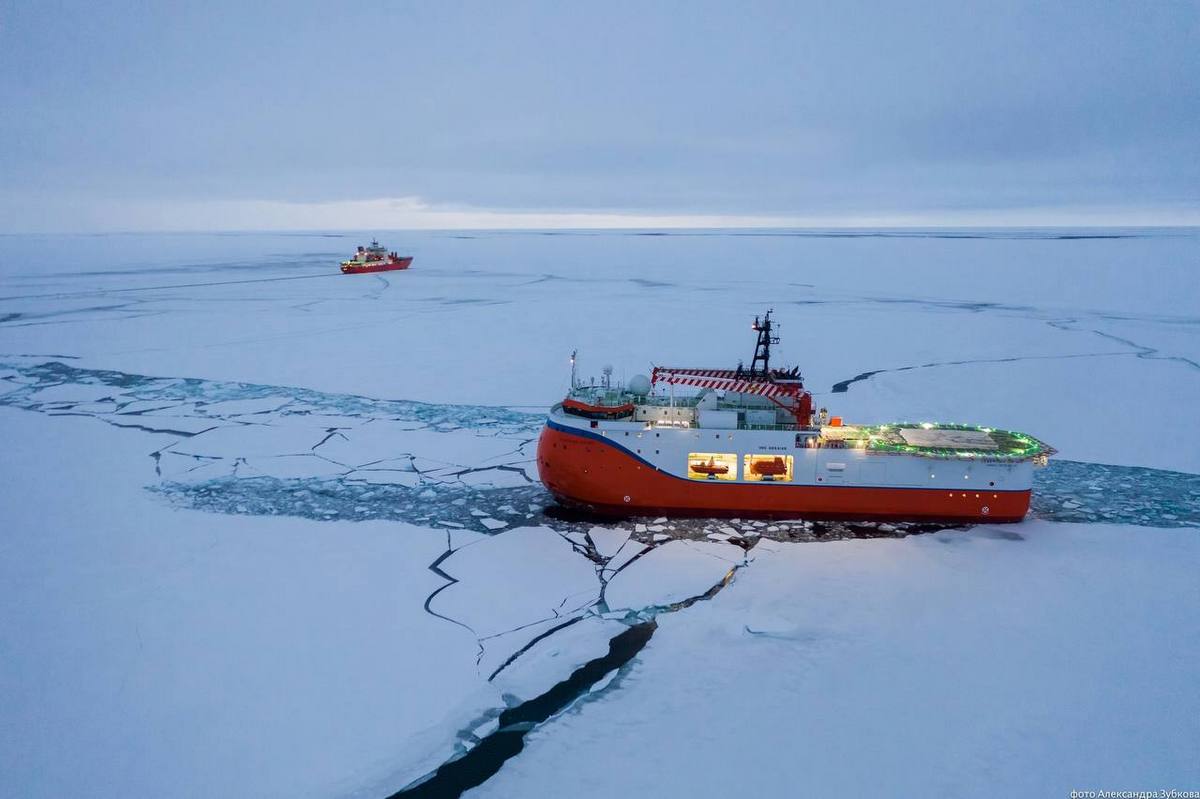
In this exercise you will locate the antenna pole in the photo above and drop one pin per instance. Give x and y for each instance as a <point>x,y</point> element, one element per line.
<point>573,381</point>
<point>762,349</point>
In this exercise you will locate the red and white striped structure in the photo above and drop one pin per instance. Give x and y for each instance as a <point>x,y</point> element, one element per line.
<point>728,380</point>
<point>723,380</point>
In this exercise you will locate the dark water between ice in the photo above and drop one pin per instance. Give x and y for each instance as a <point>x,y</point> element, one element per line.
<point>482,761</point>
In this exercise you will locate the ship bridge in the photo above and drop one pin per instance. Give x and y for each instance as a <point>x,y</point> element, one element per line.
<point>783,389</point>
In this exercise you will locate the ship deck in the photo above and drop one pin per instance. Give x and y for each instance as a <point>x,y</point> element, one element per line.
<point>925,439</point>
<point>939,440</point>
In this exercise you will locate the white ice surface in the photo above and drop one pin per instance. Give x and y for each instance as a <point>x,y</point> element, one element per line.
<point>383,439</point>
<point>672,572</point>
<point>73,392</point>
<point>512,579</point>
<point>248,441</point>
<point>146,651</point>
<point>389,477</point>
<point>165,652</point>
<point>955,664</point>
<point>1147,420</point>
<point>608,541</point>
<point>628,551</point>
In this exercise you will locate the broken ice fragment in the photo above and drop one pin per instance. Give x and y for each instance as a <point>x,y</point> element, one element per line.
<point>671,572</point>
<point>607,541</point>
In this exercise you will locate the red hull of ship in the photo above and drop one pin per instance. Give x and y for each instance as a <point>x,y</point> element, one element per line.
<point>603,478</point>
<point>385,266</point>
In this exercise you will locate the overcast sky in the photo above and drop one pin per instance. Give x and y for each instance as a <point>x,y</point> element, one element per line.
<point>152,115</point>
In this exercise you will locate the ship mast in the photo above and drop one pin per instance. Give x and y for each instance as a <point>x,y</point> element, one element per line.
<point>762,350</point>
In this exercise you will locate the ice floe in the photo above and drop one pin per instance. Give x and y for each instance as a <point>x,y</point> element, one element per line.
<point>669,573</point>
<point>545,570</point>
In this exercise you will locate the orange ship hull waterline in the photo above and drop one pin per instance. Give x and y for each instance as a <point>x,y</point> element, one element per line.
<point>390,265</point>
<point>599,476</point>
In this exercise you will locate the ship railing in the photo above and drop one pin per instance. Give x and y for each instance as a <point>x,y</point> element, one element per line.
<point>666,402</point>
<point>951,455</point>
<point>775,427</point>
<point>692,425</point>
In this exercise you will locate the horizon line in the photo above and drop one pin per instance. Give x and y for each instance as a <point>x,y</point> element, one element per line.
<point>416,213</point>
<point>317,231</point>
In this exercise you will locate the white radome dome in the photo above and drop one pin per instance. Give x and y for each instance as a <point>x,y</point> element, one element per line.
<point>639,386</point>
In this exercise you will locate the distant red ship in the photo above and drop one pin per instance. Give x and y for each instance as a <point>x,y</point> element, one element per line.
<point>375,258</point>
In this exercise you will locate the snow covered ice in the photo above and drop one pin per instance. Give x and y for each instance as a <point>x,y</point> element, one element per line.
<point>273,530</point>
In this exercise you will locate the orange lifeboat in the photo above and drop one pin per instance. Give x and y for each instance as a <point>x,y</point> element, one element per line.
<point>769,468</point>
<point>588,410</point>
<point>712,468</point>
